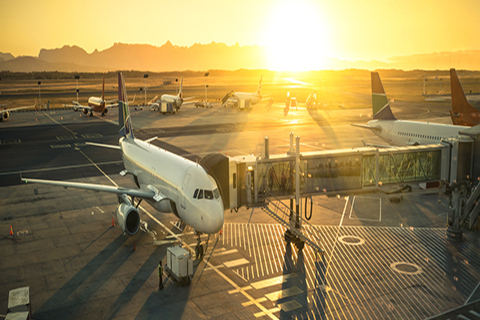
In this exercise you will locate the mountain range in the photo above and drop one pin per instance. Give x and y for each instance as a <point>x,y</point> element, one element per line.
<point>169,57</point>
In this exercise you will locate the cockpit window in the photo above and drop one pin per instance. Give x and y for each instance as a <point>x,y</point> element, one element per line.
<point>216,193</point>
<point>200,194</point>
<point>208,194</point>
<point>195,194</point>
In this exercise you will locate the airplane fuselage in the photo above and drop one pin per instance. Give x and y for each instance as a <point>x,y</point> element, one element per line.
<point>178,180</point>
<point>176,100</point>
<point>254,98</point>
<point>401,133</point>
<point>97,104</point>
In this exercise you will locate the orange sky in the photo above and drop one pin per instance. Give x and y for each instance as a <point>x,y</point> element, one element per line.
<point>298,33</point>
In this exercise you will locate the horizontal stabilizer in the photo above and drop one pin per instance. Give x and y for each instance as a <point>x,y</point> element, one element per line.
<point>365,126</point>
<point>103,145</point>
<point>473,131</point>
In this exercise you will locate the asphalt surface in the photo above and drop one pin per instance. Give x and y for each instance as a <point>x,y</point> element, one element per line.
<point>382,260</point>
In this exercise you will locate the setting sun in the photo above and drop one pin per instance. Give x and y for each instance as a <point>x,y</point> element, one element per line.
<point>297,37</point>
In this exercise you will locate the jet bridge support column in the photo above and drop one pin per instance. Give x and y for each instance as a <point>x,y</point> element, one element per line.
<point>454,229</point>
<point>295,221</point>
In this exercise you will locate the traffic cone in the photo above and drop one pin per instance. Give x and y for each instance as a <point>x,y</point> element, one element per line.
<point>11,231</point>
<point>113,222</point>
<point>220,232</point>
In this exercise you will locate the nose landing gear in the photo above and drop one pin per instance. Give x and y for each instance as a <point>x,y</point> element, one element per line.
<point>199,250</point>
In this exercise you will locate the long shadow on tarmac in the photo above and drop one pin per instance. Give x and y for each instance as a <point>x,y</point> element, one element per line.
<point>296,283</point>
<point>68,301</point>
<point>137,282</point>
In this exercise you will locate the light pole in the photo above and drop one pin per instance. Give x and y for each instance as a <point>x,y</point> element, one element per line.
<point>145,76</point>
<point>39,95</point>
<point>206,75</point>
<point>76,78</point>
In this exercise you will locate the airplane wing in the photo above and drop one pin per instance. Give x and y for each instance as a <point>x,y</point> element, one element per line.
<point>364,126</point>
<point>16,109</point>
<point>97,187</point>
<point>366,144</point>
<point>76,106</point>
<point>111,105</point>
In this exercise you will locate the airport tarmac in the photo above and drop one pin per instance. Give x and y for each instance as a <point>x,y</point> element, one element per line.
<point>382,260</point>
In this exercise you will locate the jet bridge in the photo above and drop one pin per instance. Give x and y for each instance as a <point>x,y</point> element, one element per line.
<point>263,180</point>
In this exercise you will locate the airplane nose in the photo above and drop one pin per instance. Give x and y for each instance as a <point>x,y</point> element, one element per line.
<point>215,217</point>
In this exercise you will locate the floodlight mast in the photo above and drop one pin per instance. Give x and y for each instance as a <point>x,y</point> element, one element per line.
<point>39,95</point>
<point>145,76</point>
<point>76,78</point>
<point>206,75</point>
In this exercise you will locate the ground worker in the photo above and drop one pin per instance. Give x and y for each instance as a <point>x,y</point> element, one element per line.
<point>160,275</point>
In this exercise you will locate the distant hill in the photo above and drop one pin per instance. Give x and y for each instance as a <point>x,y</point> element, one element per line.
<point>169,57</point>
<point>6,56</point>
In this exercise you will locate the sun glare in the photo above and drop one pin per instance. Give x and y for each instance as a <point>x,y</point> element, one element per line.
<point>296,37</point>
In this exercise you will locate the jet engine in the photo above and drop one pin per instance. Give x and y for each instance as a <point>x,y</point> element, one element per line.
<point>85,111</point>
<point>6,115</point>
<point>128,218</point>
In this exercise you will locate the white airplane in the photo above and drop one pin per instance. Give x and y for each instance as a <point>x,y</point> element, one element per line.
<point>244,99</point>
<point>398,132</point>
<point>5,113</point>
<point>170,183</point>
<point>176,100</point>
<point>95,104</point>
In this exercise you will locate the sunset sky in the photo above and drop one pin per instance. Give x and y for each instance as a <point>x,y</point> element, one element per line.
<point>311,30</point>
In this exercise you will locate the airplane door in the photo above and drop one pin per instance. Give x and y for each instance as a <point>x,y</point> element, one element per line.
<point>184,191</point>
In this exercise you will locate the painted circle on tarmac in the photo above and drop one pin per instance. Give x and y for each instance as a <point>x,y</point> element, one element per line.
<point>406,268</point>
<point>351,240</point>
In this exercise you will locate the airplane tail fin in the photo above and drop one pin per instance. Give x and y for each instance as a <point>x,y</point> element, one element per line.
<point>459,100</point>
<point>381,107</point>
<point>259,90</point>
<point>124,120</point>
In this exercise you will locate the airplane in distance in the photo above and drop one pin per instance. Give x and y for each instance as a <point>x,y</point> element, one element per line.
<point>170,183</point>
<point>5,113</point>
<point>244,99</point>
<point>176,100</point>
<point>400,132</point>
<point>462,113</point>
<point>95,104</point>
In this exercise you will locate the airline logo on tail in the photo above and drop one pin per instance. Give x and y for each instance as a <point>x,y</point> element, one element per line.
<point>124,120</point>
<point>381,107</point>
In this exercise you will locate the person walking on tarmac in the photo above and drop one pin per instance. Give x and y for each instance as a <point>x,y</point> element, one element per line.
<point>160,275</point>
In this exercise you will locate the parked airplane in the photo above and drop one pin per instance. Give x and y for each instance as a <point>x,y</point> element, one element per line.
<point>176,100</point>
<point>5,114</point>
<point>95,104</point>
<point>462,113</point>
<point>400,132</point>
<point>244,99</point>
<point>170,183</point>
